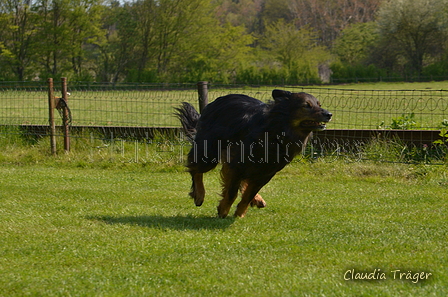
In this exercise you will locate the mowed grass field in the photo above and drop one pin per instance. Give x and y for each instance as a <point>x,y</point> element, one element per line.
<point>76,228</point>
<point>355,106</point>
<point>115,219</point>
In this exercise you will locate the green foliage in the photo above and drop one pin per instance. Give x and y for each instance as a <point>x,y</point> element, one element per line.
<point>344,72</point>
<point>437,70</point>
<point>291,47</point>
<point>276,11</point>
<point>354,44</point>
<point>272,75</point>
<point>269,41</point>
<point>228,50</point>
<point>147,75</point>
<point>415,27</point>
<point>245,13</point>
<point>405,122</point>
<point>442,143</point>
<point>394,150</point>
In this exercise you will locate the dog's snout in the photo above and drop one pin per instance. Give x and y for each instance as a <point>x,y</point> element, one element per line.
<point>328,114</point>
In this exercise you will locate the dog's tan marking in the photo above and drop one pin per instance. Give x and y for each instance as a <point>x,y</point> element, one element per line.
<point>257,200</point>
<point>230,186</point>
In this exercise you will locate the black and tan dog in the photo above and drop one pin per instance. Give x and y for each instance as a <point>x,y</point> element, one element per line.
<point>253,141</point>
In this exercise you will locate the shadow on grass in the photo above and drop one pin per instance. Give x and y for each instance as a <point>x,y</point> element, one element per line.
<point>165,222</point>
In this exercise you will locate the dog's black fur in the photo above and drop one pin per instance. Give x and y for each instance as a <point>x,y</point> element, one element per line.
<point>252,139</point>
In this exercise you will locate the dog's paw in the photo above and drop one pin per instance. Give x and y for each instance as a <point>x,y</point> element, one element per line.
<point>222,213</point>
<point>198,199</point>
<point>258,202</point>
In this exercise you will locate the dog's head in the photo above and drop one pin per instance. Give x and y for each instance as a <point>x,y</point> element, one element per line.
<point>304,109</point>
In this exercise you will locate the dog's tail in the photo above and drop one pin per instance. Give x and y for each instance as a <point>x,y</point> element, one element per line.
<point>189,118</point>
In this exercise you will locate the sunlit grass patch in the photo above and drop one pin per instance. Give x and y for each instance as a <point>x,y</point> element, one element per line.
<point>133,230</point>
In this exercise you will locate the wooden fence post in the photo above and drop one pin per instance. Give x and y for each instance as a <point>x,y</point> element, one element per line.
<point>203,94</point>
<point>65,116</point>
<point>51,107</point>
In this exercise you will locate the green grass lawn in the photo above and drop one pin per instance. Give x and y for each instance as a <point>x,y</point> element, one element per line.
<point>70,228</point>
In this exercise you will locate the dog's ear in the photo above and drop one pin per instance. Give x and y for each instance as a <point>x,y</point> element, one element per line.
<point>280,95</point>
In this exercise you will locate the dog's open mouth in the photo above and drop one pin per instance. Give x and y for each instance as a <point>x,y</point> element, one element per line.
<point>316,126</point>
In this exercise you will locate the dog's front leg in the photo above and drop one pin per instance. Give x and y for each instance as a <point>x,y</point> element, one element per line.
<point>230,186</point>
<point>249,195</point>
<point>197,188</point>
<point>257,201</point>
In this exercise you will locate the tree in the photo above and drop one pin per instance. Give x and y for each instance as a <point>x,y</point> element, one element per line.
<point>145,12</point>
<point>84,21</point>
<point>117,54</point>
<point>330,17</point>
<point>415,26</point>
<point>52,32</point>
<point>17,35</point>
<point>228,49</point>
<point>355,42</point>
<point>296,49</point>
<point>159,36</point>
<point>66,32</point>
<point>179,22</point>
<point>245,13</point>
<point>274,11</point>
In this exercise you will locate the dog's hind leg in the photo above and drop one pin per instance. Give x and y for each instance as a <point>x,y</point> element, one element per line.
<point>257,200</point>
<point>230,186</point>
<point>197,188</point>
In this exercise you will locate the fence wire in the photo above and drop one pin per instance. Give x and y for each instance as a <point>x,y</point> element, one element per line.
<point>117,110</point>
<point>153,107</point>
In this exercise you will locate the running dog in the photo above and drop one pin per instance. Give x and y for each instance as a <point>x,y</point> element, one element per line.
<point>253,141</point>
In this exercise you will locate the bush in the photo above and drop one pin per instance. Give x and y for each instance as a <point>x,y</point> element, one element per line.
<point>437,71</point>
<point>405,122</point>
<point>360,73</point>
<point>277,76</point>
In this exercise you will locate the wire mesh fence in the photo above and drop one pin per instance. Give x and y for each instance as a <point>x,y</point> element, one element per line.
<point>138,107</point>
<point>152,106</point>
<point>374,109</point>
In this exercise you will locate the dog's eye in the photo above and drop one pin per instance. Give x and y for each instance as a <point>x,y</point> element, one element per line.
<point>308,105</point>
